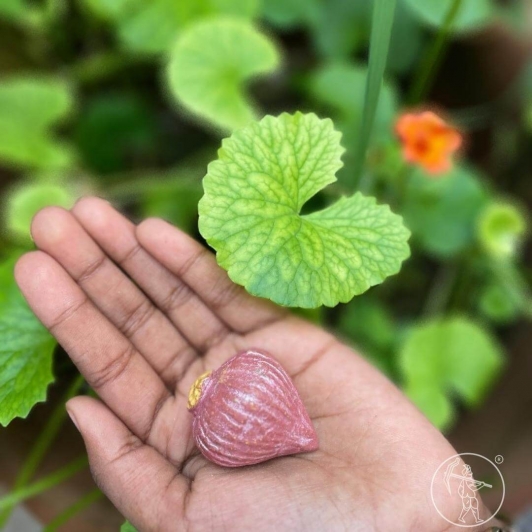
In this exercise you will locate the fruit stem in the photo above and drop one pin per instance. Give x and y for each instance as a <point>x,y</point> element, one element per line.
<point>195,391</point>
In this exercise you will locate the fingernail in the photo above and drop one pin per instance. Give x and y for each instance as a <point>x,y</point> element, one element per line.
<point>72,417</point>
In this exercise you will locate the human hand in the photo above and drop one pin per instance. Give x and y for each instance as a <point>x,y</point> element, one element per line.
<point>143,311</point>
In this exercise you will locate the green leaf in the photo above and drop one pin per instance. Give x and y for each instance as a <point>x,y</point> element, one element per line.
<point>406,42</point>
<point>250,214</point>
<point>341,87</point>
<point>341,27</point>
<point>451,355</point>
<point>20,12</point>
<point>381,30</point>
<point>151,27</point>
<point>24,201</point>
<point>501,229</point>
<point>26,350</point>
<point>471,14</point>
<point>369,324</point>
<point>176,202</point>
<point>209,65</point>
<point>291,13</point>
<point>433,403</point>
<point>29,107</point>
<point>497,304</point>
<point>442,213</point>
<point>128,527</point>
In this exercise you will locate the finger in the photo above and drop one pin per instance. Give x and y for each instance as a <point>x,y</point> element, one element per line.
<point>116,236</point>
<point>197,267</point>
<point>109,362</point>
<point>144,487</point>
<point>58,233</point>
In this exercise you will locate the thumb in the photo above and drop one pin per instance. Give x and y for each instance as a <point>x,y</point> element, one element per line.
<point>134,476</point>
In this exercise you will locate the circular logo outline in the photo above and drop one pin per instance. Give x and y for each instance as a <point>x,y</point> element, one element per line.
<point>485,520</point>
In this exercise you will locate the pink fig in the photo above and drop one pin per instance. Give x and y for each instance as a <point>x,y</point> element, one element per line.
<point>248,411</point>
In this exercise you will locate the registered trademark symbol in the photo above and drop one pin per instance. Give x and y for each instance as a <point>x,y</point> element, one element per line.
<point>499,459</point>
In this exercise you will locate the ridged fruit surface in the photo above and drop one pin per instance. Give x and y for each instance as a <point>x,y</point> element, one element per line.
<point>248,411</point>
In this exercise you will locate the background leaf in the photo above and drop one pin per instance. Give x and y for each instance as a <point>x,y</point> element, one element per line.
<point>29,107</point>
<point>442,213</point>
<point>25,351</point>
<point>151,27</point>
<point>291,13</point>
<point>432,402</point>
<point>497,304</point>
<point>209,64</point>
<point>24,201</point>
<point>340,86</point>
<point>371,327</point>
<point>250,214</point>
<point>128,527</point>
<point>471,15</point>
<point>453,355</point>
<point>501,229</point>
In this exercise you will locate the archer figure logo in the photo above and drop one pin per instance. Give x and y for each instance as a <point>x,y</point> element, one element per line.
<point>454,483</point>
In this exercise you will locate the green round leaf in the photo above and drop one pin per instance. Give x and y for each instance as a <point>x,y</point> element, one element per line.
<point>451,356</point>
<point>497,304</point>
<point>209,64</point>
<point>442,213</point>
<point>501,229</point>
<point>26,200</point>
<point>433,403</point>
<point>250,214</point>
<point>128,527</point>
<point>29,107</point>
<point>26,350</point>
<point>151,27</point>
<point>471,15</point>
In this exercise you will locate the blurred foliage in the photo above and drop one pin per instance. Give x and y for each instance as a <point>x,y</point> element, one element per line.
<point>129,100</point>
<point>471,13</point>
<point>501,229</point>
<point>29,107</point>
<point>209,65</point>
<point>446,356</point>
<point>442,213</point>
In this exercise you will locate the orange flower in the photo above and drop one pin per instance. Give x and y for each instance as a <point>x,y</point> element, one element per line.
<point>427,140</point>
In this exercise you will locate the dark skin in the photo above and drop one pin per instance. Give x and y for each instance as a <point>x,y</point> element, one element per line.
<point>143,311</point>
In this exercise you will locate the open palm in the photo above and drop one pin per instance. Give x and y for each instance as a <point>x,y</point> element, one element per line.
<point>142,311</point>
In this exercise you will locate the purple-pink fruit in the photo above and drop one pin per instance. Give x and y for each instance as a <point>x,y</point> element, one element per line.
<point>248,411</point>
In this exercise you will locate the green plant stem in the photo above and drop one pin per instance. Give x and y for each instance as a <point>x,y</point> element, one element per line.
<point>441,290</point>
<point>381,30</point>
<point>62,474</point>
<point>430,65</point>
<point>43,443</point>
<point>77,507</point>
